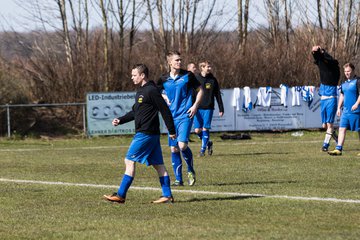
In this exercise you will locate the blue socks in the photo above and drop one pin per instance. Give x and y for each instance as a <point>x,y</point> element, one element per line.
<point>339,148</point>
<point>205,140</point>
<point>188,157</point>
<point>165,186</point>
<point>125,185</point>
<point>177,165</point>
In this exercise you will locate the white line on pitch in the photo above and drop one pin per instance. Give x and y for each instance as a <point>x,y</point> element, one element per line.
<point>51,148</point>
<point>235,194</point>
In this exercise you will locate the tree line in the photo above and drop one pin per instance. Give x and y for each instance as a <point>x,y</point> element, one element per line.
<point>69,54</point>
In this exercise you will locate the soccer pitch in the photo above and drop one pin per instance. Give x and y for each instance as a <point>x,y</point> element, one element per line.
<point>274,186</point>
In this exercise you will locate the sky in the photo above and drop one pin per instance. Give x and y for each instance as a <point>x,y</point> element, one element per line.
<point>14,17</point>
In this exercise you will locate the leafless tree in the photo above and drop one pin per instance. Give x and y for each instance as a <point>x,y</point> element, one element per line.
<point>318,4</point>
<point>66,33</point>
<point>336,24</point>
<point>348,23</point>
<point>104,15</point>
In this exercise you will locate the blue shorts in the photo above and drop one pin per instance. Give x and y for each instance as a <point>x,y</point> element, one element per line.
<point>183,129</point>
<point>145,149</point>
<point>350,121</point>
<point>203,118</point>
<point>328,110</point>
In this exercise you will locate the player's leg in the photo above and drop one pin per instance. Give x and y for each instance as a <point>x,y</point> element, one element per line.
<point>207,143</point>
<point>176,163</point>
<point>341,139</point>
<point>176,157</point>
<point>346,122</point>
<point>183,138</point>
<point>140,149</point>
<point>328,113</point>
<point>329,132</point>
<point>198,123</point>
<point>125,183</point>
<point>165,185</point>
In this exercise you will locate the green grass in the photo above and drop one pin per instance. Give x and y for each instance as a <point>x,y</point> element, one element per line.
<point>269,164</point>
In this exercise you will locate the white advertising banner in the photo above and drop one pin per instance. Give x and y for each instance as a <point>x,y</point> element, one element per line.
<point>227,121</point>
<point>277,114</point>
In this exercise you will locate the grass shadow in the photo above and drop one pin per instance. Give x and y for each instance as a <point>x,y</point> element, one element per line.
<point>218,198</point>
<point>253,183</point>
<point>254,154</point>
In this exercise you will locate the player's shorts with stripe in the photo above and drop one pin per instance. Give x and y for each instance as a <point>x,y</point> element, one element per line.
<point>328,110</point>
<point>350,121</point>
<point>203,118</point>
<point>183,129</point>
<point>145,149</point>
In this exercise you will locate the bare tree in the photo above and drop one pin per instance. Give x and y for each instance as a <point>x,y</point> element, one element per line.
<point>348,23</point>
<point>273,15</point>
<point>287,21</point>
<point>336,24</point>
<point>66,34</point>
<point>105,43</point>
<point>240,23</point>
<point>318,4</point>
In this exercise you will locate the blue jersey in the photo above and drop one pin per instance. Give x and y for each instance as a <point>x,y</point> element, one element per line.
<point>327,90</point>
<point>351,93</point>
<point>179,92</point>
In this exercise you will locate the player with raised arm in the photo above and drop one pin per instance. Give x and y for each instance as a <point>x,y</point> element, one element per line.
<point>329,79</point>
<point>145,147</point>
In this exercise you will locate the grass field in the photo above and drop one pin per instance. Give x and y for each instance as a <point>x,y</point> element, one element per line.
<point>274,186</point>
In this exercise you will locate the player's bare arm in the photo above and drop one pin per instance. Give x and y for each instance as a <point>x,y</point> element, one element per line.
<point>192,111</point>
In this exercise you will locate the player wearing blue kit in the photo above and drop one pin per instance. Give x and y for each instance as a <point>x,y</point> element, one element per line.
<point>145,147</point>
<point>203,117</point>
<point>329,78</point>
<point>177,87</point>
<point>349,101</point>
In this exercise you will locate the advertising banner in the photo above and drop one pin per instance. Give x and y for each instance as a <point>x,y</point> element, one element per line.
<point>292,112</point>
<point>102,108</point>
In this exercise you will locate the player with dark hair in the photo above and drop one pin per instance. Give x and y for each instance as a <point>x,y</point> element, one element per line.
<point>329,79</point>
<point>349,101</point>
<point>177,87</point>
<point>203,117</point>
<point>145,147</point>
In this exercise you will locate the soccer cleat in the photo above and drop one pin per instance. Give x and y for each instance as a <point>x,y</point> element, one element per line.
<point>163,199</point>
<point>324,149</point>
<point>201,154</point>
<point>114,198</point>
<point>177,183</point>
<point>335,152</point>
<point>191,178</point>
<point>210,148</point>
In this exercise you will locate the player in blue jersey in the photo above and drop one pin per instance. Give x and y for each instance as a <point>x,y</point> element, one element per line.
<point>203,117</point>
<point>145,147</point>
<point>349,101</point>
<point>177,87</point>
<point>329,79</point>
